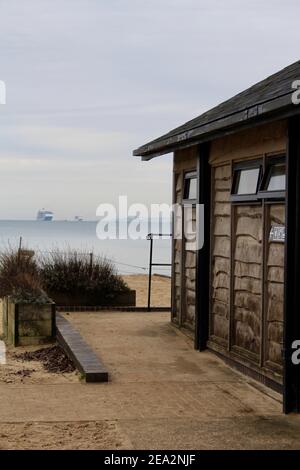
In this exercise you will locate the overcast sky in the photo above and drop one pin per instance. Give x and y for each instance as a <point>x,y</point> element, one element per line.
<point>90,80</point>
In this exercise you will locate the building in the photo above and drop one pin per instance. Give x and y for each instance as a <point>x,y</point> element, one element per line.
<point>239,294</point>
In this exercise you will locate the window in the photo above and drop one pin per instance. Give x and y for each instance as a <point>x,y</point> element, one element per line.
<point>250,183</point>
<point>274,180</point>
<point>277,178</point>
<point>190,186</point>
<point>246,179</point>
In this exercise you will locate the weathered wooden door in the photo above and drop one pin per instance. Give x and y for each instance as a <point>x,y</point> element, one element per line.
<point>247,282</point>
<point>258,285</point>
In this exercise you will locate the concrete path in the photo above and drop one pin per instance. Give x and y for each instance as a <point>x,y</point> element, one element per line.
<point>161,393</point>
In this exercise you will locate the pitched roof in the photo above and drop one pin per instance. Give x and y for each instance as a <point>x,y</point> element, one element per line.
<point>269,97</point>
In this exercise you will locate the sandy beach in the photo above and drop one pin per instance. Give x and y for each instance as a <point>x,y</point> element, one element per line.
<point>161,289</point>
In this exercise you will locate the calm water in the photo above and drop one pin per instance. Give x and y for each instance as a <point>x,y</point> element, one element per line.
<point>45,236</point>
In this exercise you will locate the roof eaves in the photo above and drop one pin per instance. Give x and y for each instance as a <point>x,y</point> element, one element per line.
<point>167,144</point>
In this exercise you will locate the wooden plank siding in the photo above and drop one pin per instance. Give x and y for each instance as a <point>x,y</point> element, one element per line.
<point>189,279</point>
<point>184,282</point>
<point>247,270</point>
<point>247,279</point>
<point>177,254</point>
<point>274,291</point>
<point>220,254</point>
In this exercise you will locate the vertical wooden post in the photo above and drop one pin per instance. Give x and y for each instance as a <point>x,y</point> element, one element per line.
<point>202,259</point>
<point>291,384</point>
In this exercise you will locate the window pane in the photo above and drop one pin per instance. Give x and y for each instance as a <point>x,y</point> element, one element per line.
<point>277,178</point>
<point>247,181</point>
<point>192,194</point>
<point>190,187</point>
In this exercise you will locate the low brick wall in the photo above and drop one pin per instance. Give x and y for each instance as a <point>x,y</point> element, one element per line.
<point>126,299</point>
<point>28,324</point>
<point>86,361</point>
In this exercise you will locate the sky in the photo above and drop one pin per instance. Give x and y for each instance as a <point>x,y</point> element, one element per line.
<point>88,81</point>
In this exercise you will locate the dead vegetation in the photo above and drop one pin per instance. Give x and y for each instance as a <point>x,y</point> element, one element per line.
<point>53,359</point>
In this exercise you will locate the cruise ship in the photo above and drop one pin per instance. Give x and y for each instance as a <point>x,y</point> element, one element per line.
<point>44,215</point>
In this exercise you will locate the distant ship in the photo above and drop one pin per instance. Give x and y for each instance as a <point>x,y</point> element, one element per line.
<point>78,218</point>
<point>44,215</point>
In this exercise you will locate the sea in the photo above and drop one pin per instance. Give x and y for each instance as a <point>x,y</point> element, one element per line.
<point>129,256</point>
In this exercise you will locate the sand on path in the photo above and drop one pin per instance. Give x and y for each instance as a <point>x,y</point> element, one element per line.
<point>160,292</point>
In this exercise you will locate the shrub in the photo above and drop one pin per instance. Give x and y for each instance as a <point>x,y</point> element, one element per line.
<point>19,277</point>
<point>71,273</point>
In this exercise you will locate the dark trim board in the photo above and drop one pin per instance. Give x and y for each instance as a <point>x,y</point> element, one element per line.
<point>291,402</point>
<point>267,112</point>
<point>227,132</point>
<point>203,255</point>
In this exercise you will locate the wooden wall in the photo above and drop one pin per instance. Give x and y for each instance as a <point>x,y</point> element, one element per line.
<point>274,291</point>
<point>177,252</point>
<point>220,260</point>
<point>250,143</point>
<point>247,278</point>
<point>184,255</point>
<point>247,271</point>
<point>189,274</point>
